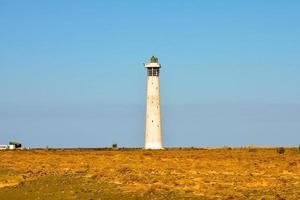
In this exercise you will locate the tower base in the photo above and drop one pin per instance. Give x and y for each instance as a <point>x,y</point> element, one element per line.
<point>153,146</point>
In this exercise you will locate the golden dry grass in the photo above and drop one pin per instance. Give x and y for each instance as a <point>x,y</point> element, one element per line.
<point>239,173</point>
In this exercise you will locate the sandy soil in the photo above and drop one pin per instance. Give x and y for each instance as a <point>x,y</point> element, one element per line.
<point>225,173</point>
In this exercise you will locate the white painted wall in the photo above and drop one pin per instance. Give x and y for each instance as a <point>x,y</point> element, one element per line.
<point>153,135</point>
<point>2,147</point>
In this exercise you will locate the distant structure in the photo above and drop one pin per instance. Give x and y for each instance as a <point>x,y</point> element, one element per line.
<point>11,146</point>
<point>15,145</point>
<point>114,146</point>
<point>4,146</point>
<point>153,133</point>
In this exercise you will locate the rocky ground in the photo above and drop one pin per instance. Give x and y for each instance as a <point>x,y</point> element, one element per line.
<point>224,173</point>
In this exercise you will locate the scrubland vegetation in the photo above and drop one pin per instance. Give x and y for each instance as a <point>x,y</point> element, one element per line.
<point>224,173</point>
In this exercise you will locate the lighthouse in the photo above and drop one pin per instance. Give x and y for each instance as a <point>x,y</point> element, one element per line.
<point>153,133</point>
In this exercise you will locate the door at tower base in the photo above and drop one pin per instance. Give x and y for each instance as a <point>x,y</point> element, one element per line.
<point>153,133</point>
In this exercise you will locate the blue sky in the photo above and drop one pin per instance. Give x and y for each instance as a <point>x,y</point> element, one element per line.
<point>71,72</point>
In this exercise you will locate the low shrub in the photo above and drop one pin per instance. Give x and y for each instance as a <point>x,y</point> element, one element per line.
<point>280,150</point>
<point>252,150</point>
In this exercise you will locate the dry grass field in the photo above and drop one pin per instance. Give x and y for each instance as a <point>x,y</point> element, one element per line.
<point>225,173</point>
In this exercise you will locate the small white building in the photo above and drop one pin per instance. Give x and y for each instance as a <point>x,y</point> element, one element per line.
<point>4,147</point>
<point>11,146</point>
<point>14,145</point>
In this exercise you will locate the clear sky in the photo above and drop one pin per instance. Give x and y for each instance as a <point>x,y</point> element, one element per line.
<point>71,72</point>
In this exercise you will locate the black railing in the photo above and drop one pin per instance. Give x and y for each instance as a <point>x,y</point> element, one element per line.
<point>153,71</point>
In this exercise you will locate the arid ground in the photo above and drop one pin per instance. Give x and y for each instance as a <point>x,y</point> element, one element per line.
<point>224,173</point>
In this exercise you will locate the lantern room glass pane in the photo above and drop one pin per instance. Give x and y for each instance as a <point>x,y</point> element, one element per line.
<point>153,71</point>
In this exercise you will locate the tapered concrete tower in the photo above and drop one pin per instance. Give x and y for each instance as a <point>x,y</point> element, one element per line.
<point>153,135</point>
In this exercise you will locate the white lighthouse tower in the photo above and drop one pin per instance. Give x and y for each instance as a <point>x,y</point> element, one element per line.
<point>153,134</point>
